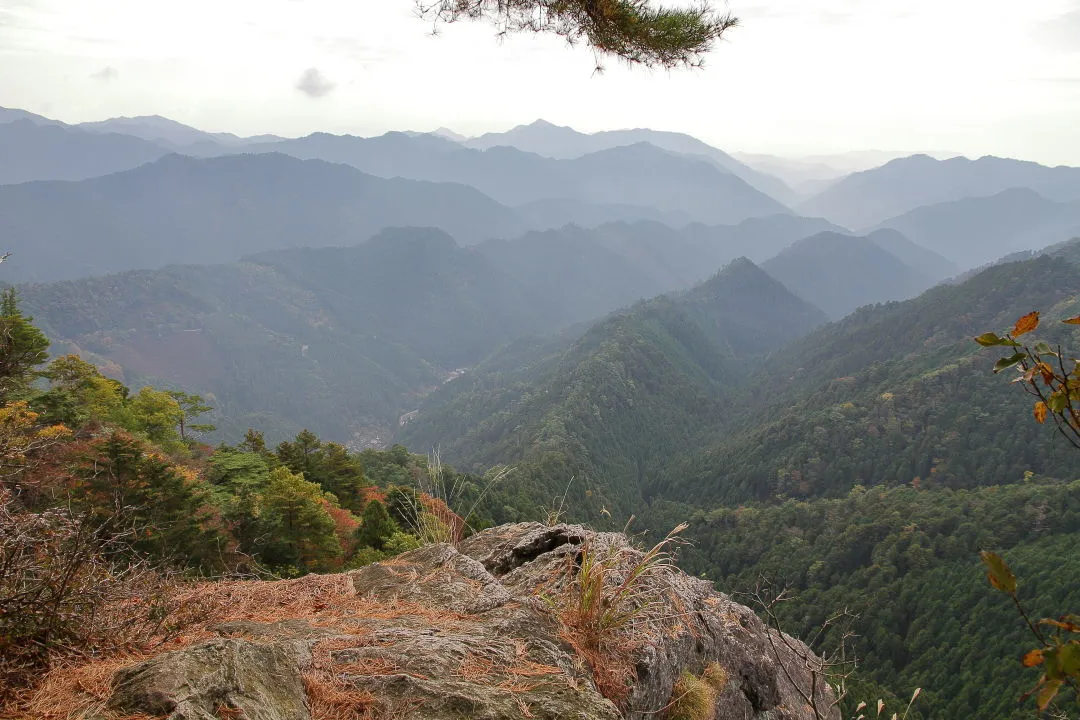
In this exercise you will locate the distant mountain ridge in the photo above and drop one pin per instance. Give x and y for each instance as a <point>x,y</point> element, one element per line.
<point>168,132</point>
<point>381,321</point>
<point>975,231</point>
<point>839,272</point>
<point>33,150</point>
<point>549,140</point>
<point>589,272</point>
<point>639,174</point>
<point>186,210</point>
<point>867,198</point>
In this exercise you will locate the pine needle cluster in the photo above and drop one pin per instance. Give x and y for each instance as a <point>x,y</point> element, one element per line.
<point>631,30</point>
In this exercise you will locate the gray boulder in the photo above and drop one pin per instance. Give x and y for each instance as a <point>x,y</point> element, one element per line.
<point>479,631</point>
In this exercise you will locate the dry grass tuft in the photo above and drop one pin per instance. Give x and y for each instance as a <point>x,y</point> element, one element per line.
<point>615,605</point>
<point>692,699</point>
<point>716,676</point>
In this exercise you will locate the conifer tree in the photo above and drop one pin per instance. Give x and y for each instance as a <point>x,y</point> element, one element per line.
<point>23,347</point>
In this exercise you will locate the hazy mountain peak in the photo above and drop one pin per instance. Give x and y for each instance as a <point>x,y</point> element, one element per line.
<point>740,277</point>
<point>541,123</point>
<point>449,134</point>
<point>414,238</point>
<point>840,273</point>
<point>870,197</point>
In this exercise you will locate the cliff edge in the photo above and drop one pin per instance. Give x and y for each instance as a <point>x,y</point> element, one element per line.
<point>496,628</point>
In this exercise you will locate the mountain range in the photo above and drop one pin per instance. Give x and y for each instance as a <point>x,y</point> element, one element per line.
<point>873,196</point>
<point>632,324</point>
<point>186,210</point>
<point>703,394</point>
<point>555,141</point>
<point>385,318</point>
<point>973,231</point>
<point>547,176</point>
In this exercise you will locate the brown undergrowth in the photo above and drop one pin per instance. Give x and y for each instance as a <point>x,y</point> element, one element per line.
<point>76,686</point>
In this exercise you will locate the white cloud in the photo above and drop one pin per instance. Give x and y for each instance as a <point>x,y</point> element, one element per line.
<point>314,84</point>
<point>106,74</point>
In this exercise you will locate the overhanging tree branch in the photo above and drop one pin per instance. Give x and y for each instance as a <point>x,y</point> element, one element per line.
<point>631,30</point>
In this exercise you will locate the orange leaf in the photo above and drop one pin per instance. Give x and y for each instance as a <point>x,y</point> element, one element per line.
<point>1033,658</point>
<point>1040,412</point>
<point>1046,371</point>
<point>1026,324</point>
<point>1072,321</point>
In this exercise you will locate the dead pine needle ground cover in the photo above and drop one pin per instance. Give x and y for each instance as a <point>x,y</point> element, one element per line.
<point>76,686</point>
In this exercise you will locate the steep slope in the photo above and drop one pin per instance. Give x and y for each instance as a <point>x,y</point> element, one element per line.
<point>549,140</point>
<point>611,406</point>
<point>893,393</point>
<point>839,273</point>
<point>334,339</point>
<point>875,550</point>
<point>922,260</point>
<point>572,266</point>
<point>974,231</point>
<point>38,151</point>
<point>640,174</point>
<point>870,197</point>
<point>181,209</point>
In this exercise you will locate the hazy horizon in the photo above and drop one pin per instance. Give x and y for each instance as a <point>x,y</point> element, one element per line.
<point>791,80</point>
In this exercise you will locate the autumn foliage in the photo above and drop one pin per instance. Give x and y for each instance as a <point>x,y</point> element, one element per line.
<point>1053,378</point>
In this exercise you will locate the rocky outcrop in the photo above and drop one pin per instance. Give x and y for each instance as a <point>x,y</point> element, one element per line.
<point>480,631</point>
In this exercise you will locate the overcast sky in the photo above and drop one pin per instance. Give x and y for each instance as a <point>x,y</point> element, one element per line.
<point>798,77</point>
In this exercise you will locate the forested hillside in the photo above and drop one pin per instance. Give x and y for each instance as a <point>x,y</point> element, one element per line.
<point>905,560</point>
<point>337,340</point>
<point>890,394</point>
<point>346,340</point>
<point>762,456</point>
<point>612,406</point>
